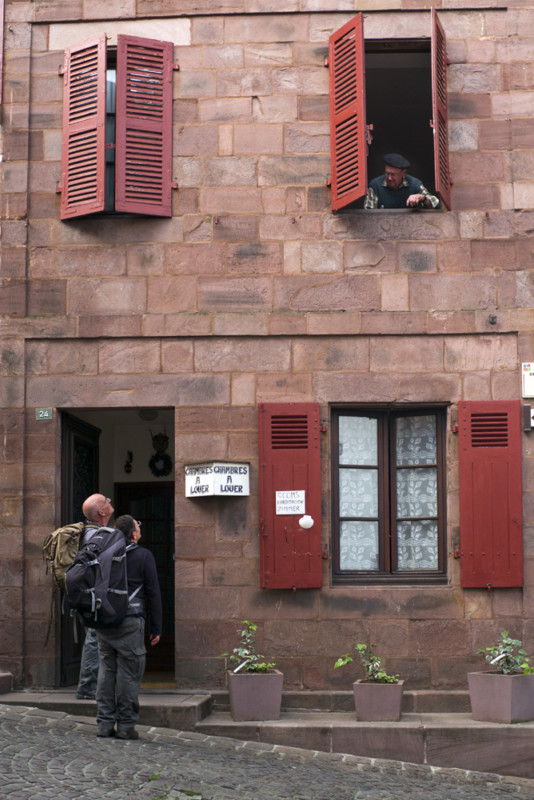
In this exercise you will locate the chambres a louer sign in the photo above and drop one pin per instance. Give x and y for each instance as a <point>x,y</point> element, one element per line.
<point>217,478</point>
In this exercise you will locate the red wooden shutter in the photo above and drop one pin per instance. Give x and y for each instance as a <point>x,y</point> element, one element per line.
<point>289,449</point>
<point>491,519</point>
<point>144,126</point>
<point>439,111</point>
<point>347,114</point>
<point>84,129</point>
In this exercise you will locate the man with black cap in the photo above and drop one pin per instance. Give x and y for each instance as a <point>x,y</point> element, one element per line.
<point>396,189</point>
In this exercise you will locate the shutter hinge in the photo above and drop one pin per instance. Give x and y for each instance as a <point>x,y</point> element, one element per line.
<point>176,67</point>
<point>329,181</point>
<point>323,428</point>
<point>61,70</point>
<point>324,555</point>
<point>327,62</point>
<point>59,187</point>
<point>457,554</point>
<point>174,185</point>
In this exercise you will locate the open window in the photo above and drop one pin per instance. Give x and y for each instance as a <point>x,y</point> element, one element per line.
<point>387,96</point>
<point>117,128</point>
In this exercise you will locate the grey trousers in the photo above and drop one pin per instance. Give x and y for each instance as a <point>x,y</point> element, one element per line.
<point>122,656</point>
<point>89,664</point>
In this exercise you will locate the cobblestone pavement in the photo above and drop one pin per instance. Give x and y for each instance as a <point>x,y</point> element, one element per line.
<point>45,754</point>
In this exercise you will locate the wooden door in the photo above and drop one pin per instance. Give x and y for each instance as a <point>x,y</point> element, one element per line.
<point>153,505</point>
<point>79,479</point>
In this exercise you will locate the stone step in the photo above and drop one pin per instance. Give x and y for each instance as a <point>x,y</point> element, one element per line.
<point>421,701</point>
<point>326,721</point>
<point>452,740</point>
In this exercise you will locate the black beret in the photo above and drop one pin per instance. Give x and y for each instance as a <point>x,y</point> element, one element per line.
<point>395,160</point>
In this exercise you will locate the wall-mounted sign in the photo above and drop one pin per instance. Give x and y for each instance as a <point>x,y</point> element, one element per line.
<point>43,413</point>
<point>219,478</point>
<point>527,375</point>
<point>291,502</point>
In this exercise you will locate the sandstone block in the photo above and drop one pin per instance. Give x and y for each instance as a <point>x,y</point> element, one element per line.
<point>253,258</point>
<point>171,294</point>
<point>331,353</point>
<point>226,355</point>
<point>258,138</point>
<point>225,109</point>
<point>234,294</point>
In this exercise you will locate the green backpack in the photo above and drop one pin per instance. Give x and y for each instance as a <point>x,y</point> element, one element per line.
<point>60,548</point>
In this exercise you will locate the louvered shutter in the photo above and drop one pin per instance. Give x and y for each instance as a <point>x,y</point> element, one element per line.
<point>439,111</point>
<point>347,114</point>
<point>144,126</point>
<point>84,129</point>
<point>491,520</point>
<point>289,449</point>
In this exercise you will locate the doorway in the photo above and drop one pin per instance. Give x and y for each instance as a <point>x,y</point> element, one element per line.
<point>153,506</point>
<point>112,451</point>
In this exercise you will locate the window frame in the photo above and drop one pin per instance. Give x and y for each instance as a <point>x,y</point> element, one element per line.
<point>349,135</point>
<point>386,415</point>
<point>142,184</point>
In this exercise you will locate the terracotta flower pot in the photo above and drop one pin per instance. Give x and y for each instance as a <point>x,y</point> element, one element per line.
<point>255,695</point>
<point>380,702</point>
<point>501,698</point>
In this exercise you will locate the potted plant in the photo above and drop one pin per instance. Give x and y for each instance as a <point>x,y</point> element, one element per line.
<point>378,696</point>
<point>505,693</point>
<point>254,685</point>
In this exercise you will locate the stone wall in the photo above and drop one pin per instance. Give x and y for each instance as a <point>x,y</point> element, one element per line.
<point>255,292</point>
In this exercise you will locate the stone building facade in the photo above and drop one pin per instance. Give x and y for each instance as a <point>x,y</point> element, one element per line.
<point>253,292</point>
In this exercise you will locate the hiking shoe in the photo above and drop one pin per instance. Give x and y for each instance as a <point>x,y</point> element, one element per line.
<point>131,733</point>
<point>105,731</point>
<point>86,697</point>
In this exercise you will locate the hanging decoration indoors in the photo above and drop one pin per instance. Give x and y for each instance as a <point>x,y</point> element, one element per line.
<point>128,462</point>
<point>160,463</point>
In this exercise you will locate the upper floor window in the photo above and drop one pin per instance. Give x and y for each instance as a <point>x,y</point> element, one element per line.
<point>117,127</point>
<point>388,494</point>
<point>387,96</point>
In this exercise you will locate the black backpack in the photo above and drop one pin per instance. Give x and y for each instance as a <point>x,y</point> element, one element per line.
<point>96,582</point>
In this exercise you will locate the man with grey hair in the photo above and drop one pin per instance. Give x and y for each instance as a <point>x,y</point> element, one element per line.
<point>97,510</point>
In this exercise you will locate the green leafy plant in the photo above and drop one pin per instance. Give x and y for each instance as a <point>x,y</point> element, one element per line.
<point>507,656</point>
<point>371,663</point>
<point>245,656</point>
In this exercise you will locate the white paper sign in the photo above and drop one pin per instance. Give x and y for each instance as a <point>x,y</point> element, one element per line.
<point>528,379</point>
<point>291,502</point>
<point>219,478</point>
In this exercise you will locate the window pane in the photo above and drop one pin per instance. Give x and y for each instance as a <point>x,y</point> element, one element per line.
<point>417,545</point>
<point>417,492</point>
<point>416,440</point>
<point>359,545</point>
<point>358,492</point>
<point>357,440</point>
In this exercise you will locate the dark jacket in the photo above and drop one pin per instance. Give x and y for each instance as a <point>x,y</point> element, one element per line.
<point>143,578</point>
<point>395,198</point>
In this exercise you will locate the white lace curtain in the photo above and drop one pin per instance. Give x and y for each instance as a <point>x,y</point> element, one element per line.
<point>415,475</point>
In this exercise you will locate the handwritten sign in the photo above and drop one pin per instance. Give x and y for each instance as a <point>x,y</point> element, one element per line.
<point>291,502</point>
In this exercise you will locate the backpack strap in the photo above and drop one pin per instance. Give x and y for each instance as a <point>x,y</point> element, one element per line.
<point>132,546</point>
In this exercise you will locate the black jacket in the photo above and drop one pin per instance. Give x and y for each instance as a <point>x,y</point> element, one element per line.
<point>143,578</point>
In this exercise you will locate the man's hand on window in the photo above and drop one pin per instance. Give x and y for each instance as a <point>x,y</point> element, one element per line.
<point>416,200</point>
